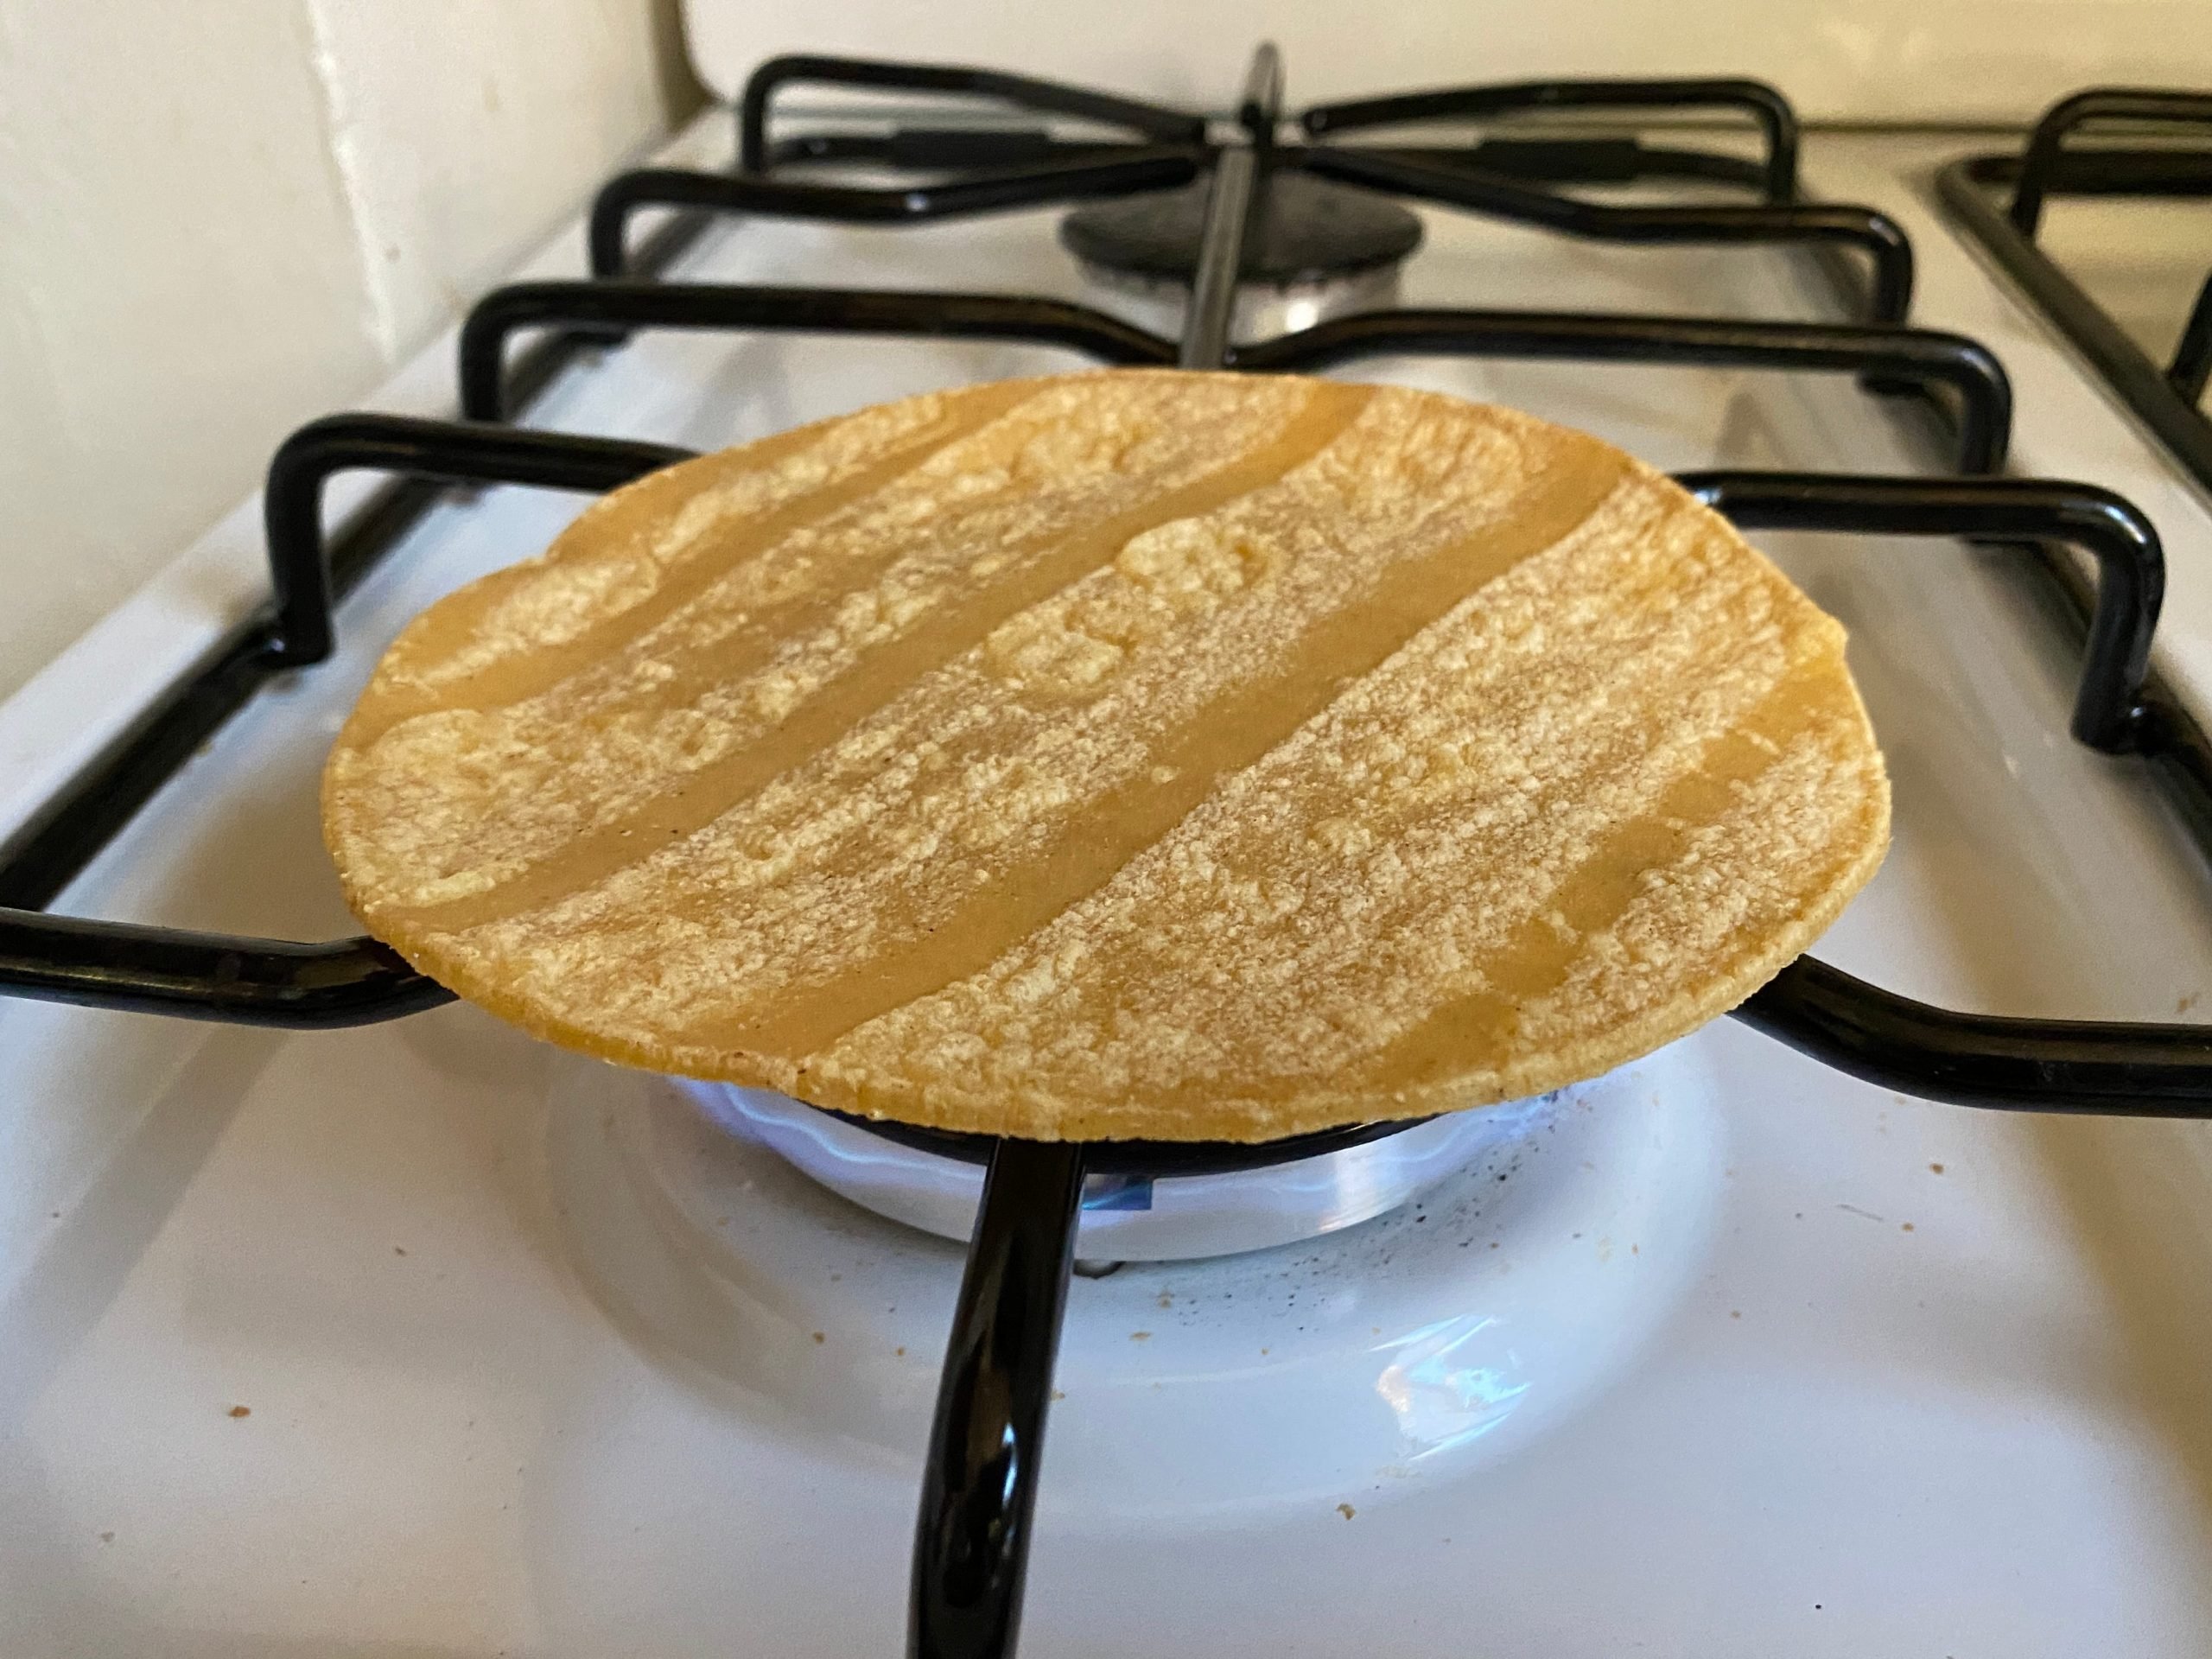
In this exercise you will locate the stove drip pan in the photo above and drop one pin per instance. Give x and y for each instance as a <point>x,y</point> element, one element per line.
<point>1380,1359</point>
<point>1131,1218</point>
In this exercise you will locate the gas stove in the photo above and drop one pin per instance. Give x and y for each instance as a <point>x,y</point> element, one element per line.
<point>329,1330</point>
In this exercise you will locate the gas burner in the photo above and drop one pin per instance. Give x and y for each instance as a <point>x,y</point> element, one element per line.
<point>1313,250</point>
<point>1428,1344</point>
<point>1151,1204</point>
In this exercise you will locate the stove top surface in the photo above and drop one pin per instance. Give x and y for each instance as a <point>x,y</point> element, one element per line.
<point>424,1337</point>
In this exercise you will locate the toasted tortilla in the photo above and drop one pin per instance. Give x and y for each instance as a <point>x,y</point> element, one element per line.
<point>1189,756</point>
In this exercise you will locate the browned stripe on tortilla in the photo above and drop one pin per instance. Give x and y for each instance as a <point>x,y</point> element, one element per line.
<point>937,637</point>
<point>513,679</point>
<point>1475,1030</point>
<point>918,955</point>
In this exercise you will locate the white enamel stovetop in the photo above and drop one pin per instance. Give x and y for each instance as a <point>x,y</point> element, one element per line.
<point>426,1340</point>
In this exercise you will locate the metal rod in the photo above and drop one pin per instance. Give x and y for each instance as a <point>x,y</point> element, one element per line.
<point>140,969</point>
<point>1221,252</point>
<point>1917,357</point>
<point>1260,107</point>
<point>1777,121</point>
<point>1820,224</point>
<point>1077,178</point>
<point>1237,182</point>
<point>1981,1059</point>
<point>2131,565</point>
<point>2192,364</point>
<point>1587,160</point>
<point>1023,92</point>
<point>628,305</point>
<point>2117,172</point>
<point>943,148</point>
<point>2039,165</point>
<point>979,1487</point>
<point>452,451</point>
<point>1964,187</point>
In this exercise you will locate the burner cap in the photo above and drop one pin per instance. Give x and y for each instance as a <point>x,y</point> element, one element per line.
<point>1308,230</point>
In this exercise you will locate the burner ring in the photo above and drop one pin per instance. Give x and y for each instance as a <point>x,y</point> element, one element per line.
<point>1307,231</point>
<point>1159,1159</point>
<point>1144,1200</point>
<point>719,1259</point>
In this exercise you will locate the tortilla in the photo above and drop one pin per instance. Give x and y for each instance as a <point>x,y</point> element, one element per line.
<point>1189,756</point>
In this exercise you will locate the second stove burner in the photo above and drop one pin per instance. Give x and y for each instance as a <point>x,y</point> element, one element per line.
<point>1434,1341</point>
<point>1307,231</point>
<point>1317,251</point>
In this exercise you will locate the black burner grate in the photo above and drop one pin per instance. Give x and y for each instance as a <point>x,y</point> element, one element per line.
<point>2165,400</point>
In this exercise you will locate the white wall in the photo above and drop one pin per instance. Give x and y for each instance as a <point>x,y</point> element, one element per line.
<point>221,218</point>
<point>1887,59</point>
